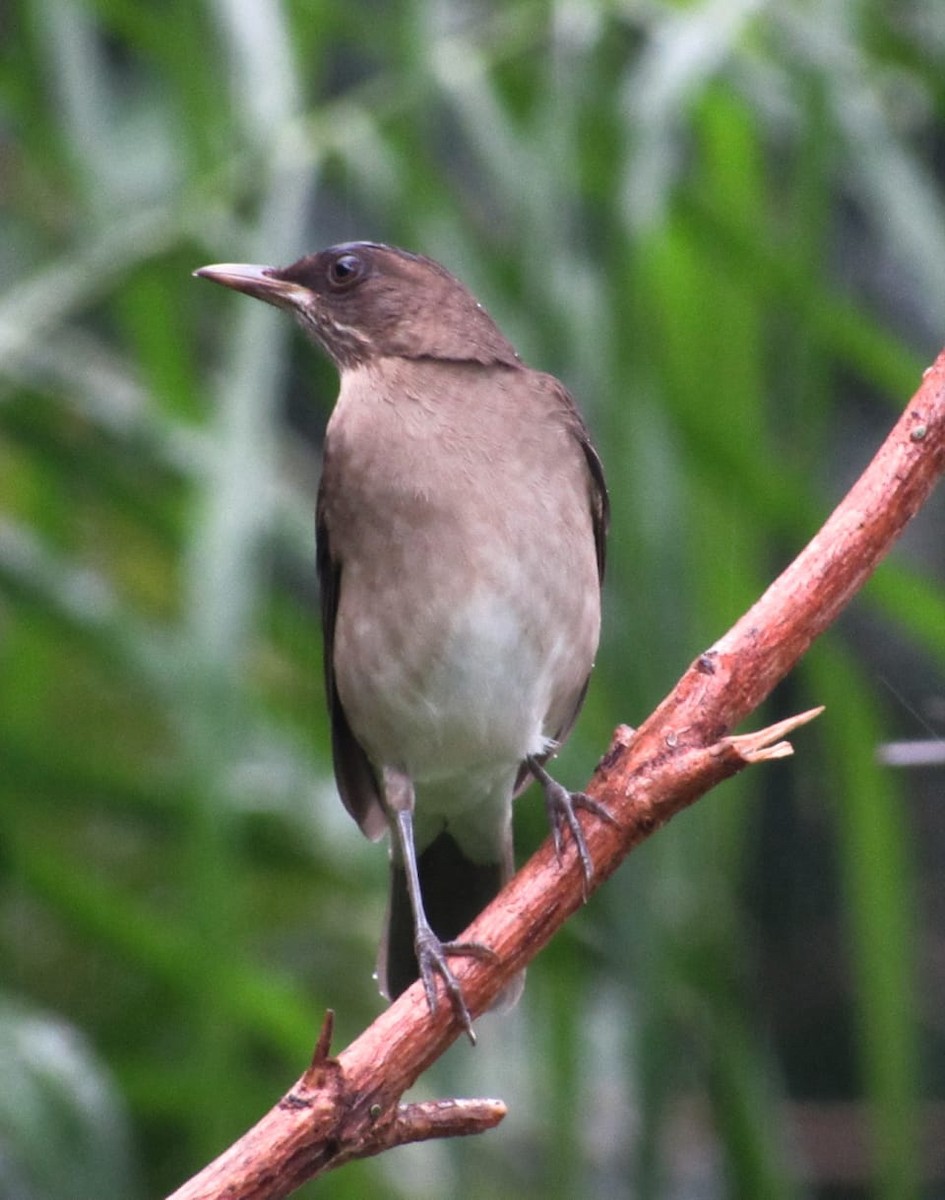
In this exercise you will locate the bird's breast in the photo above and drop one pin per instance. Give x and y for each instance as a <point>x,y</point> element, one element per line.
<point>468,607</point>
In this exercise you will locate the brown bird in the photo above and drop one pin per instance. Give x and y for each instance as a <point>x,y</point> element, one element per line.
<point>461,521</point>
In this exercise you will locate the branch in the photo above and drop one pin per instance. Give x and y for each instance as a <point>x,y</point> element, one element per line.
<point>348,1107</point>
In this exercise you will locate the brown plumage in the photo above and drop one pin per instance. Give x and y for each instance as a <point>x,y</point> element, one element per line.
<point>461,521</point>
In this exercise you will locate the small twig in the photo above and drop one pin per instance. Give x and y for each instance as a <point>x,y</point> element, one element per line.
<point>426,1120</point>
<point>766,744</point>
<point>323,1045</point>
<point>347,1107</point>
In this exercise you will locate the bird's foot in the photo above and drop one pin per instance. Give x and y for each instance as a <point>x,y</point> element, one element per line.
<point>432,956</point>
<point>562,807</point>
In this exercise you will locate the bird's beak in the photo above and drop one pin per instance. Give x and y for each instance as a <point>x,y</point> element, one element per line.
<point>261,282</point>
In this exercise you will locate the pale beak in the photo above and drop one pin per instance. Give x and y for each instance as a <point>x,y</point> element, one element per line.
<point>261,282</point>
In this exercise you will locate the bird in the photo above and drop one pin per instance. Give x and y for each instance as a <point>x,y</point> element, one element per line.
<point>461,521</point>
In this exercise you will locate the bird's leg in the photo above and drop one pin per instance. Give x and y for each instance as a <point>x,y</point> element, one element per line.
<point>561,806</point>
<point>432,954</point>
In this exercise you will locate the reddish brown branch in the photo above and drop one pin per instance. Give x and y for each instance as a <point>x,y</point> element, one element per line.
<point>349,1106</point>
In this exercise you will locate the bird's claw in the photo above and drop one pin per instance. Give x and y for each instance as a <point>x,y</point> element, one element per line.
<point>562,808</point>
<point>432,955</point>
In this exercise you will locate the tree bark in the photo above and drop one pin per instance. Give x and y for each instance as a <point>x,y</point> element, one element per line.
<point>348,1106</point>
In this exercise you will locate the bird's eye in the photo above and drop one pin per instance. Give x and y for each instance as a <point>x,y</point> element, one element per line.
<point>345,270</point>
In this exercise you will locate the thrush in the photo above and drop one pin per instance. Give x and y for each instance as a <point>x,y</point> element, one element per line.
<point>460,529</point>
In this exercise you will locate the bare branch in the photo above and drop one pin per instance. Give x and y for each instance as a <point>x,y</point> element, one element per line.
<point>348,1106</point>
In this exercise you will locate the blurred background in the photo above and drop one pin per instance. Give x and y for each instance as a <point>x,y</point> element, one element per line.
<point>722,223</point>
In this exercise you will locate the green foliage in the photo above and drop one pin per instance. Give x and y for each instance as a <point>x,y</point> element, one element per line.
<point>723,224</point>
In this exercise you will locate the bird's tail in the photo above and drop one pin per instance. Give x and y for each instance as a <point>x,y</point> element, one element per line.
<point>455,890</point>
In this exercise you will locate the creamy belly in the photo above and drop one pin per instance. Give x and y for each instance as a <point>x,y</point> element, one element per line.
<point>456,685</point>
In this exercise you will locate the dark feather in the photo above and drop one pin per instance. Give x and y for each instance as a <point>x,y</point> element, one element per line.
<point>357,782</point>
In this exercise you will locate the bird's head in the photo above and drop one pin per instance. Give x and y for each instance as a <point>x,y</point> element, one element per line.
<point>362,300</point>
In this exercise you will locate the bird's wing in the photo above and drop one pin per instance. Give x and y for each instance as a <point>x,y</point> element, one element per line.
<point>600,520</point>
<point>600,503</point>
<point>354,775</point>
